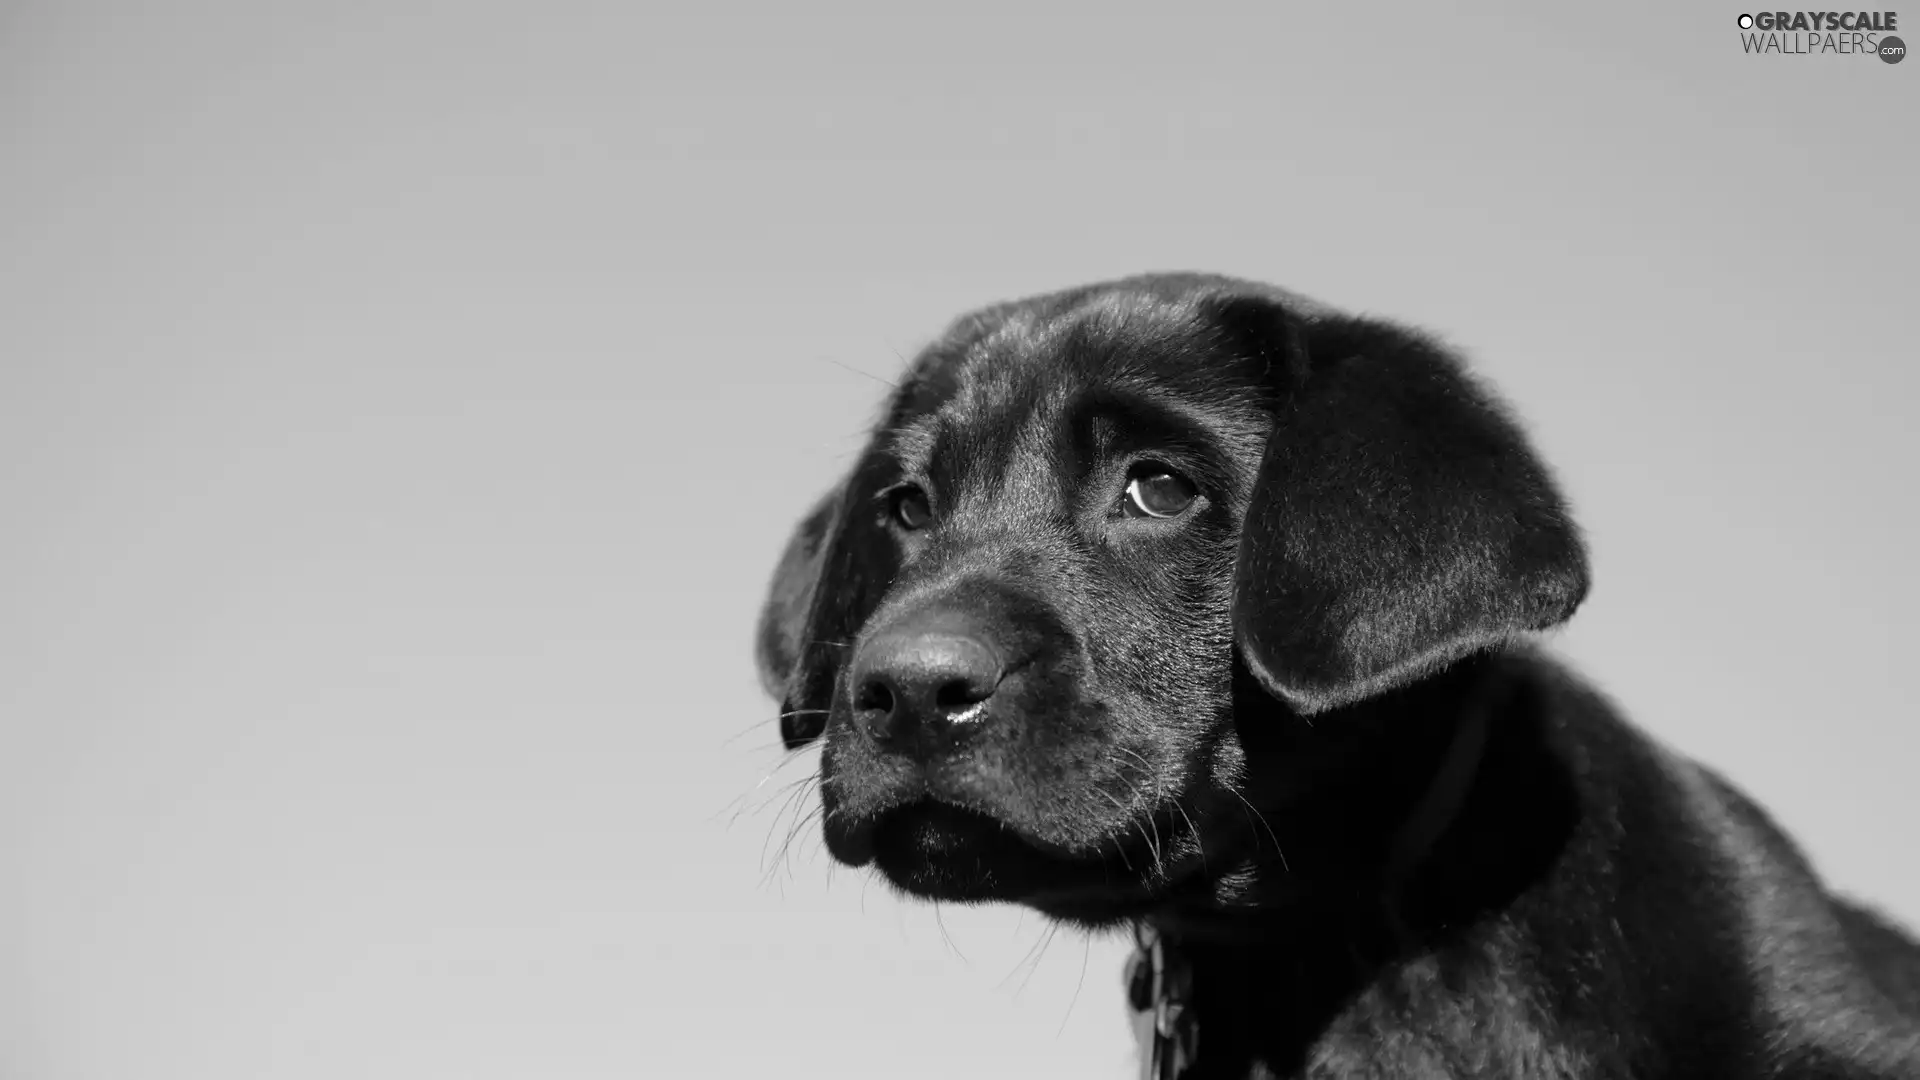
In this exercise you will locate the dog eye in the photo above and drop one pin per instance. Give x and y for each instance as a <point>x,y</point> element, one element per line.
<point>910,508</point>
<point>1155,492</point>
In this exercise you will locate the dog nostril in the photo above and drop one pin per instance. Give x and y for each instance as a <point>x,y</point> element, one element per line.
<point>875,697</point>
<point>919,690</point>
<point>956,694</point>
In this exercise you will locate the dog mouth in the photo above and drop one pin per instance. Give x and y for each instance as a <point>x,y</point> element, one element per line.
<point>936,849</point>
<point>961,830</point>
<point>939,850</point>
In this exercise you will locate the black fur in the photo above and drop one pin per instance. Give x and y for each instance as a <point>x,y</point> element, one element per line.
<point>1223,722</point>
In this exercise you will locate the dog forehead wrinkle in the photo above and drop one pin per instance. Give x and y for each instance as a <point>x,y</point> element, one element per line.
<point>912,445</point>
<point>1134,412</point>
<point>997,445</point>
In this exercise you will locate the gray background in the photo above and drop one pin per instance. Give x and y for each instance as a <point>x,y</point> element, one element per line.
<point>400,411</point>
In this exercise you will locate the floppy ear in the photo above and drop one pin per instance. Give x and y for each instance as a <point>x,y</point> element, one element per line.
<point>1399,520</point>
<point>783,616</point>
<point>830,578</point>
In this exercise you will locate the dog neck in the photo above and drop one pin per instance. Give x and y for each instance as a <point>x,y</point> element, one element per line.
<point>1390,779</point>
<point>1445,794</point>
<point>1330,923</point>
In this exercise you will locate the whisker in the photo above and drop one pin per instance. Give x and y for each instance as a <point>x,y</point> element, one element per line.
<point>1153,846</point>
<point>750,729</point>
<point>1152,841</point>
<point>768,747</point>
<point>786,759</point>
<point>758,724</point>
<point>800,822</point>
<point>738,804</point>
<point>849,367</point>
<point>948,938</point>
<point>1262,818</point>
<point>1086,953</point>
<point>1122,807</point>
<point>1194,830</point>
<point>786,804</point>
<point>749,792</point>
<point>741,801</point>
<point>791,802</point>
<point>1137,756</point>
<point>1025,960</point>
<point>1045,943</point>
<point>808,829</point>
<point>1159,849</point>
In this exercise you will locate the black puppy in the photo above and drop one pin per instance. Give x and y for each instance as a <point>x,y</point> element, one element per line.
<point>1187,604</point>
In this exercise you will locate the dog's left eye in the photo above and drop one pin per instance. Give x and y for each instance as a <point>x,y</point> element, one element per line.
<point>1156,492</point>
<point>910,508</point>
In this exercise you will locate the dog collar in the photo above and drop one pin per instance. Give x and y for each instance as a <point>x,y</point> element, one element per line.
<point>1160,988</point>
<point>1160,978</point>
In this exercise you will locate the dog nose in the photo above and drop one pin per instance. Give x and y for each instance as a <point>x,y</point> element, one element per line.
<point>923,690</point>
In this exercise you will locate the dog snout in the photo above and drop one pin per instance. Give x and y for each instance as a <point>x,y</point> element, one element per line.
<point>923,686</point>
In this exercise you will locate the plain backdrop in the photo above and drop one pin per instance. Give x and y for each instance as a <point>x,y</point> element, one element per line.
<point>402,406</point>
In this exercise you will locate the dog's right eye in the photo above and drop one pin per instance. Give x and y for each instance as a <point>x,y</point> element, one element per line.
<point>910,508</point>
<point>1157,492</point>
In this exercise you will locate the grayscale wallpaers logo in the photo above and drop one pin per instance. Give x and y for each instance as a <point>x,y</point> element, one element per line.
<point>1823,33</point>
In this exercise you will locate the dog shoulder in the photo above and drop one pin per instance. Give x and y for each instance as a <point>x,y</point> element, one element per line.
<point>1836,981</point>
<point>1717,921</point>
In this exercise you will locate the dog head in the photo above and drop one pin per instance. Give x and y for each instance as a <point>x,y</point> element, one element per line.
<point>1093,533</point>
